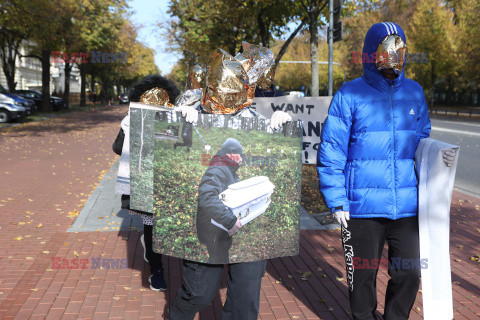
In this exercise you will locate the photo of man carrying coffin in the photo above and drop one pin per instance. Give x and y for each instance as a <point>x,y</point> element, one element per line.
<point>221,173</point>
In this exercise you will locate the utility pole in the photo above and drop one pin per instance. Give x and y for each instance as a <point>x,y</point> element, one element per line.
<point>335,33</point>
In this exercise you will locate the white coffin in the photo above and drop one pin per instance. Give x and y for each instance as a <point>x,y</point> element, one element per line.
<point>248,199</point>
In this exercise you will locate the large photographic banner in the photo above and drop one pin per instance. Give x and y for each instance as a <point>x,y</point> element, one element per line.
<point>311,110</point>
<point>222,168</point>
<point>141,155</point>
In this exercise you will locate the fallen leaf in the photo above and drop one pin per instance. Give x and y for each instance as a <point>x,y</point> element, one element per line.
<point>127,288</point>
<point>339,278</point>
<point>116,298</point>
<point>18,238</point>
<point>40,226</point>
<point>290,276</point>
<point>46,252</point>
<point>319,269</point>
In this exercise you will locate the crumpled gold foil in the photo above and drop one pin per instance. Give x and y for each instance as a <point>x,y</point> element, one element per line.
<point>261,59</point>
<point>226,85</point>
<point>391,53</point>
<point>266,80</point>
<point>157,97</point>
<point>196,77</point>
<point>246,63</point>
<point>189,98</point>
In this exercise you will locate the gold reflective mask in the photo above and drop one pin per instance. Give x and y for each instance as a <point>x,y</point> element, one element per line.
<point>391,53</point>
<point>157,97</point>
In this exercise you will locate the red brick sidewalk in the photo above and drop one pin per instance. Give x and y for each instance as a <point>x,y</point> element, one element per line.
<point>49,169</point>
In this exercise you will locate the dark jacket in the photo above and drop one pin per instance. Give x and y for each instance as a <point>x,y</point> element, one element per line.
<point>187,133</point>
<point>220,174</point>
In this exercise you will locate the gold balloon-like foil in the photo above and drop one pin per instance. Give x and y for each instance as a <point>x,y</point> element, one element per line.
<point>246,63</point>
<point>157,97</point>
<point>261,59</point>
<point>226,85</point>
<point>196,77</point>
<point>266,80</point>
<point>391,53</point>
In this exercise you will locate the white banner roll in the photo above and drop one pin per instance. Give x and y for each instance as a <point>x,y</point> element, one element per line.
<point>435,189</point>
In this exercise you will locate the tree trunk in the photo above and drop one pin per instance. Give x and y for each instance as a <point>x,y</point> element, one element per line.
<point>313,27</point>
<point>9,52</point>
<point>432,84</point>
<point>263,29</point>
<point>92,83</point>
<point>285,45</point>
<point>45,81</point>
<point>83,84</point>
<point>66,92</point>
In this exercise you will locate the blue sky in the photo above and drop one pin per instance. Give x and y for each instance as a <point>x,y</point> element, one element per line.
<point>148,14</point>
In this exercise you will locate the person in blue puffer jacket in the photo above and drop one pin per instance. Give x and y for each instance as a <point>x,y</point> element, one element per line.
<point>367,176</point>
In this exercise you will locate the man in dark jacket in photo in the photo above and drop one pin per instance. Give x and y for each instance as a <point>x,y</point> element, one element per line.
<point>221,173</point>
<point>187,135</point>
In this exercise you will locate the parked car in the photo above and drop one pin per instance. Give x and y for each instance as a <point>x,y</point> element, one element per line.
<point>12,98</point>
<point>123,98</point>
<point>56,102</point>
<point>295,93</point>
<point>11,111</point>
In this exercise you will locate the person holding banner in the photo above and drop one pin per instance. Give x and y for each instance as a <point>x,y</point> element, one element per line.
<point>153,89</point>
<point>228,91</point>
<point>367,175</point>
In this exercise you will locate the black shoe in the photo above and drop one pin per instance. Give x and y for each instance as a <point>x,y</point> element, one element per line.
<point>157,281</point>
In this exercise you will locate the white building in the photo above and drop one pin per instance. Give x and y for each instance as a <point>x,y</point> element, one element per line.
<point>28,74</point>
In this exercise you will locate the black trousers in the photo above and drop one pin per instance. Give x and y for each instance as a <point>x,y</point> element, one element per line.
<point>201,283</point>
<point>363,243</point>
<point>154,259</point>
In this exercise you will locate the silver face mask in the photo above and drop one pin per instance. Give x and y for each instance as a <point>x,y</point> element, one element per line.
<point>391,53</point>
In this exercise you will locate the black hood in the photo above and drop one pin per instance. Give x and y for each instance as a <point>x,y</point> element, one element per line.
<point>154,81</point>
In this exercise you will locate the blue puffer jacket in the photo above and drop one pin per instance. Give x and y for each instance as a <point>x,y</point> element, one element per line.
<point>365,161</point>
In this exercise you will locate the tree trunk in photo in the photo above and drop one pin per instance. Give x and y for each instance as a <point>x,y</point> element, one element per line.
<point>142,117</point>
<point>66,92</point>
<point>45,106</point>
<point>83,85</point>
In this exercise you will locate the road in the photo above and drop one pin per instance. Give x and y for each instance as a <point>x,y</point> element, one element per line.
<point>467,136</point>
